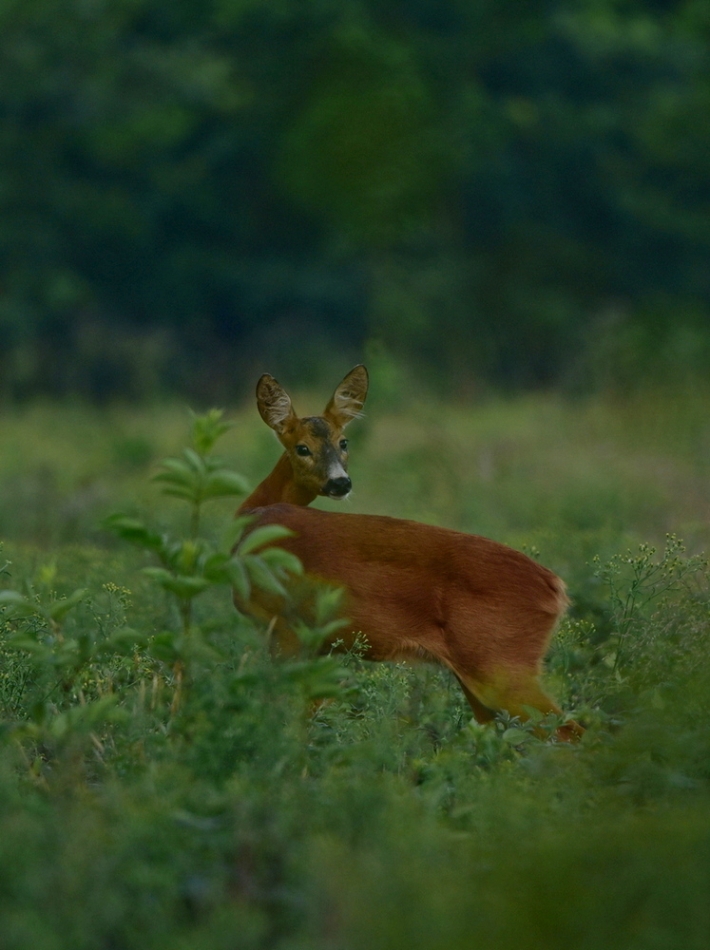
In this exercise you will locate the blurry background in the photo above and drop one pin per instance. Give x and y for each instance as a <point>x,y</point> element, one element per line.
<point>480,194</point>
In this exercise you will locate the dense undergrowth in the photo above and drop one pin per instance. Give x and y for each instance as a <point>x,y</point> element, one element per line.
<point>165,783</point>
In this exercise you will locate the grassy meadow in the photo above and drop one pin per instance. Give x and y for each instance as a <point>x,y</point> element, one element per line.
<point>165,784</point>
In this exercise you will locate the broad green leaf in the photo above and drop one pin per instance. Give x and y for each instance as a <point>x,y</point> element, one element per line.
<point>262,577</point>
<point>260,537</point>
<point>214,567</point>
<point>165,646</point>
<point>176,470</point>
<point>516,736</point>
<point>308,636</point>
<point>133,531</point>
<point>186,556</point>
<point>223,483</point>
<point>328,629</point>
<point>22,641</point>
<point>328,603</point>
<point>18,605</point>
<point>235,529</point>
<point>535,715</point>
<point>196,462</point>
<point>158,574</point>
<point>175,481</point>
<point>178,479</point>
<point>211,559</point>
<point>277,558</point>
<point>187,587</point>
<point>239,579</point>
<point>182,585</point>
<point>61,608</point>
<point>12,598</point>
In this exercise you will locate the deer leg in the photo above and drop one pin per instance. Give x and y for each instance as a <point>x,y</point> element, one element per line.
<point>481,713</point>
<point>513,693</point>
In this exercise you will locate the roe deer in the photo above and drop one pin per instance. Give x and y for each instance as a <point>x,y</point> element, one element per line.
<point>414,591</point>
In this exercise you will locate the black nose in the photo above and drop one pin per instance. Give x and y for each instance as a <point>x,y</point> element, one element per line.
<point>337,487</point>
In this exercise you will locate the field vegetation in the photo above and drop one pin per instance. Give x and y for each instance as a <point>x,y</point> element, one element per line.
<point>164,783</point>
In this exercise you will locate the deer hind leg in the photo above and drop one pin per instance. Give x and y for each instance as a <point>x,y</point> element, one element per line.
<point>481,713</point>
<point>512,694</point>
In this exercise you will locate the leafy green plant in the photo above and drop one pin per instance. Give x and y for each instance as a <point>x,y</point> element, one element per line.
<point>190,566</point>
<point>36,630</point>
<point>638,581</point>
<point>197,476</point>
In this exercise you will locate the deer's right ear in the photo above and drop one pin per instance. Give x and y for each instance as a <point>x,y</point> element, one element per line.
<point>274,403</point>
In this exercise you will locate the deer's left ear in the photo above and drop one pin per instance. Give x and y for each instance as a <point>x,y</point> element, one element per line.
<point>349,397</point>
<point>274,404</point>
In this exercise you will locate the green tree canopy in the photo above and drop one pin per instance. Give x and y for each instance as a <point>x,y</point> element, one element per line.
<point>485,187</point>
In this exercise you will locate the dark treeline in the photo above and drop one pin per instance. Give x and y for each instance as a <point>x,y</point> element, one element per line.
<point>486,190</point>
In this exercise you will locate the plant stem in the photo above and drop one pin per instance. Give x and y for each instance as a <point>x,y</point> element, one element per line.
<point>195,520</point>
<point>179,667</point>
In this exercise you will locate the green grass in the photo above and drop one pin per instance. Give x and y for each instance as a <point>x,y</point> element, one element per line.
<point>241,817</point>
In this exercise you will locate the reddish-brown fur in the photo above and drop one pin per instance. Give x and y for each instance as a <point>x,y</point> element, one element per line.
<point>416,591</point>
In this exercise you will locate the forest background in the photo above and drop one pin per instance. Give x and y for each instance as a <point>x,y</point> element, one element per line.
<point>500,194</point>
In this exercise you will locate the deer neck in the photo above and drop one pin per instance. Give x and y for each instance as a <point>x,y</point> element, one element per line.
<point>278,487</point>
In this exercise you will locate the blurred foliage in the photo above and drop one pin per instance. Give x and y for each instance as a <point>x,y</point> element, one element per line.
<point>492,191</point>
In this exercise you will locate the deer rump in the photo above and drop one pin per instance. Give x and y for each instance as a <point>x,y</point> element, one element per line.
<point>416,591</point>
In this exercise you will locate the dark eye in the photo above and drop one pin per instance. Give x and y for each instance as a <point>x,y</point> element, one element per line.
<point>302,450</point>
<point>344,445</point>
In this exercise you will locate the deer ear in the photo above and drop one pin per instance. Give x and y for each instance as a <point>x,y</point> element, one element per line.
<point>274,403</point>
<point>349,397</point>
